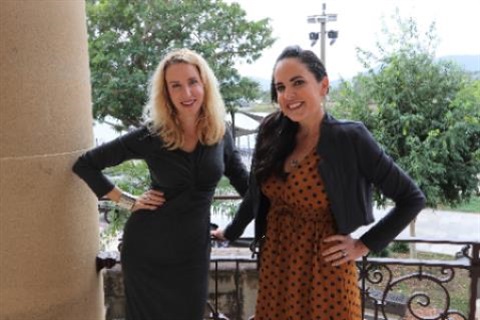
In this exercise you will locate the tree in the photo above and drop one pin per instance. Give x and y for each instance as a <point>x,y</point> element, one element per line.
<point>127,38</point>
<point>426,114</point>
<point>237,92</point>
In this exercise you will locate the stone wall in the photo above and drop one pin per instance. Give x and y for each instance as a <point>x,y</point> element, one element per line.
<point>234,302</point>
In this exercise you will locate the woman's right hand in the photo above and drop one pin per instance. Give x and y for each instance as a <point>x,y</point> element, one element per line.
<point>149,200</point>
<point>218,234</point>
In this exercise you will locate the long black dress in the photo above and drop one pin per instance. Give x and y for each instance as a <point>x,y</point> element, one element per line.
<point>165,254</point>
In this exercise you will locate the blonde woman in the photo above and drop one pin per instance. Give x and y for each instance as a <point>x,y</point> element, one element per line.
<point>166,240</point>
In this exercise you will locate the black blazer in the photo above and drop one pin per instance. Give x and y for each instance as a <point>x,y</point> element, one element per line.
<point>351,162</point>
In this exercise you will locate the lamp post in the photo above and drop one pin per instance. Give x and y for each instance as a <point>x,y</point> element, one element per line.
<point>323,19</point>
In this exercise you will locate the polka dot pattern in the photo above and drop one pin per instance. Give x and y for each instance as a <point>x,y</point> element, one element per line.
<point>295,282</point>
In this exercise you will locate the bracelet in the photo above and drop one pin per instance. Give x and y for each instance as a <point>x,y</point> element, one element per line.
<point>126,201</point>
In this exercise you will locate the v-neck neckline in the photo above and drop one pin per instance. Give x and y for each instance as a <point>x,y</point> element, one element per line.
<point>193,150</point>
<point>299,163</point>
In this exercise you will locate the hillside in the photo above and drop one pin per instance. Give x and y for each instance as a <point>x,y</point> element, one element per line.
<point>471,63</point>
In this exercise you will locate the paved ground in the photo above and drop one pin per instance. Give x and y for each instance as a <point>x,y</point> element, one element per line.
<point>436,224</point>
<point>445,225</point>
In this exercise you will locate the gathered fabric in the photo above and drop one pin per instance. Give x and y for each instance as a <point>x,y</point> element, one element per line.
<point>295,281</point>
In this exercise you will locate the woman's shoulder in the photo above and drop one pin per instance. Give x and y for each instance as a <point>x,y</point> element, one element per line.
<point>142,135</point>
<point>356,132</point>
<point>136,133</point>
<point>345,126</point>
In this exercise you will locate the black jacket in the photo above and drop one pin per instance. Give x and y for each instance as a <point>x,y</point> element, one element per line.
<point>351,162</point>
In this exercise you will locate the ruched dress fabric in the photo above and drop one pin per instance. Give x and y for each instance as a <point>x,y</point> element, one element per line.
<point>295,281</point>
<point>165,253</point>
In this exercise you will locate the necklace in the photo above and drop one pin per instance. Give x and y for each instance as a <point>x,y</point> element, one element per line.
<point>294,163</point>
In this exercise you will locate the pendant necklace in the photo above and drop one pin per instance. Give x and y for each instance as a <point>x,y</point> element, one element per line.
<point>294,163</point>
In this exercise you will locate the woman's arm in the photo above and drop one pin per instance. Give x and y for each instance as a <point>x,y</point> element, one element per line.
<point>237,173</point>
<point>235,170</point>
<point>379,169</point>
<point>395,184</point>
<point>241,220</point>
<point>130,146</point>
<point>89,166</point>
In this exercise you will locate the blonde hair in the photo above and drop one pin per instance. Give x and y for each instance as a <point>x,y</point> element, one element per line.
<point>161,116</point>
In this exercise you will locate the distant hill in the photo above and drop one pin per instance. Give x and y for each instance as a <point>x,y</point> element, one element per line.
<point>471,63</point>
<point>264,83</point>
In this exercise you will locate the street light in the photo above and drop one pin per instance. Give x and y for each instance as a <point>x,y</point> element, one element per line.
<point>332,34</point>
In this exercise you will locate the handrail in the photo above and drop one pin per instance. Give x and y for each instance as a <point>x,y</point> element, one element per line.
<point>378,270</point>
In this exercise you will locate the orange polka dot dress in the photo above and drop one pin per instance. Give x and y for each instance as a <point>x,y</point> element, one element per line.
<point>295,281</point>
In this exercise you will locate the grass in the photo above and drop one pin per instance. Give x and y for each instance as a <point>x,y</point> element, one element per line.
<point>472,206</point>
<point>263,107</point>
<point>458,287</point>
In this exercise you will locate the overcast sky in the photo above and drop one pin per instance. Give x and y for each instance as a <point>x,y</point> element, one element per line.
<point>359,24</point>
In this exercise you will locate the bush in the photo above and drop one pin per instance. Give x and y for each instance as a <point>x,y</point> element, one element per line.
<point>400,247</point>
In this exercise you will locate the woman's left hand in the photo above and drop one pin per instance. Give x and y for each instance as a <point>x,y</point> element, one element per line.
<point>344,250</point>
<point>218,234</point>
<point>149,200</point>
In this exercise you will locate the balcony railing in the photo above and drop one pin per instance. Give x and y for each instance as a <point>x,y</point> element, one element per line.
<point>378,280</point>
<point>391,288</point>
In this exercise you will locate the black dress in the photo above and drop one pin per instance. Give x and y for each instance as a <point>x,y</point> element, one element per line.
<point>165,253</point>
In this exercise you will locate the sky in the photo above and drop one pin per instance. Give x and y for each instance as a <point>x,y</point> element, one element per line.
<point>359,23</point>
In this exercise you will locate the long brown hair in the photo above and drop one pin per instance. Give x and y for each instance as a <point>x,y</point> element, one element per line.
<point>276,136</point>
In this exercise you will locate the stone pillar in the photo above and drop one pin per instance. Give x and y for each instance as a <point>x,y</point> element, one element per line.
<point>48,218</point>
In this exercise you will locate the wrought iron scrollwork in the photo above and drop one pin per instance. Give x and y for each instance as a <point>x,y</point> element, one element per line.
<point>374,274</point>
<point>465,253</point>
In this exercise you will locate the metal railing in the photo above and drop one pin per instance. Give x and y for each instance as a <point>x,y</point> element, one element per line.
<point>434,276</point>
<point>375,273</point>
<point>381,280</point>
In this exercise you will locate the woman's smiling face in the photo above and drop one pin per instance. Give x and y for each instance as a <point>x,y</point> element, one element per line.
<point>299,94</point>
<point>185,89</point>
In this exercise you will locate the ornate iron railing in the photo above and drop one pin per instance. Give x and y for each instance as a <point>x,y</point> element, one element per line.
<point>391,288</point>
<point>434,276</point>
<point>375,273</point>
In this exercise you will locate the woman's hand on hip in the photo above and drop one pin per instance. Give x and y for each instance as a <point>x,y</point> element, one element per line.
<point>344,249</point>
<point>149,200</point>
<point>218,234</point>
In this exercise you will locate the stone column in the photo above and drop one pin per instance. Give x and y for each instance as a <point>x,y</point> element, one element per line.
<point>48,218</point>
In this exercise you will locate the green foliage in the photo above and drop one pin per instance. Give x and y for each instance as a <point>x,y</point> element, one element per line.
<point>391,249</point>
<point>263,107</point>
<point>425,114</point>
<point>116,221</point>
<point>225,207</point>
<point>472,206</point>
<point>265,97</point>
<point>399,247</point>
<point>130,176</point>
<point>236,91</point>
<point>240,90</point>
<point>133,177</point>
<point>384,253</point>
<point>127,39</point>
